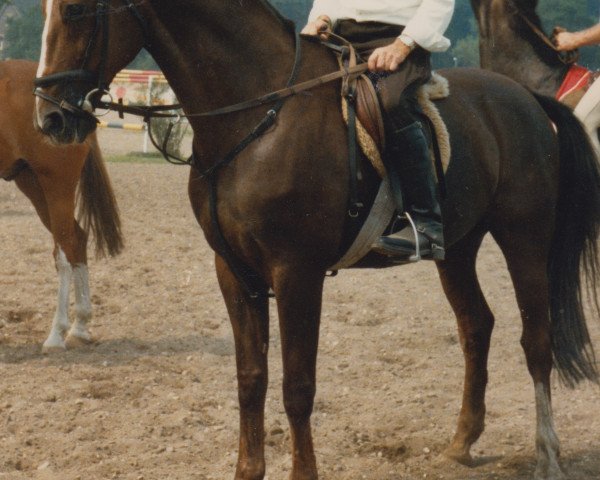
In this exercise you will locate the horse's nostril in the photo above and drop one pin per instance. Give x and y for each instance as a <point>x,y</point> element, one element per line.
<point>54,123</point>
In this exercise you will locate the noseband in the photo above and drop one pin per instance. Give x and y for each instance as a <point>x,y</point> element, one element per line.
<point>85,107</point>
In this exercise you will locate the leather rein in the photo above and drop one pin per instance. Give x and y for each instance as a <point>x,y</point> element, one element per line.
<point>568,57</point>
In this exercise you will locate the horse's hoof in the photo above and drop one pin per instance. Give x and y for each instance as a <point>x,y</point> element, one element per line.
<point>75,341</point>
<point>552,476</point>
<point>554,473</point>
<point>458,455</point>
<point>50,349</point>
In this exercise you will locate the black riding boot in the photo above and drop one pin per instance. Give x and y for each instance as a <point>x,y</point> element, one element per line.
<point>409,160</point>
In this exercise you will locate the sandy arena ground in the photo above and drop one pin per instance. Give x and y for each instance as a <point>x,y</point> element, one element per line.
<point>156,399</point>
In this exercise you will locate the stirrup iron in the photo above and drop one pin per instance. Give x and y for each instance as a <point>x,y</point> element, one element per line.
<point>417,256</point>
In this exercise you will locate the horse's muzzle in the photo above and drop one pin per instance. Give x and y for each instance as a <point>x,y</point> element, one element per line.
<point>62,126</point>
<point>54,124</point>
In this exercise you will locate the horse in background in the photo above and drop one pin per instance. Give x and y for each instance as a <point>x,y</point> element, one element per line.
<point>56,179</point>
<point>512,42</point>
<point>281,205</point>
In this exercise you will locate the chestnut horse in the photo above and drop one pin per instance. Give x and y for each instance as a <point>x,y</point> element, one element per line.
<point>511,43</point>
<point>49,176</point>
<point>282,203</point>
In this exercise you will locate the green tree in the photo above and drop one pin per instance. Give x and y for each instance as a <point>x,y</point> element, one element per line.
<point>295,10</point>
<point>143,61</point>
<point>466,52</point>
<point>23,35</point>
<point>4,4</point>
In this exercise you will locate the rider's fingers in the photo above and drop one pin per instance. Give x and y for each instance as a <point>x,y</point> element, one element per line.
<point>372,63</point>
<point>381,61</point>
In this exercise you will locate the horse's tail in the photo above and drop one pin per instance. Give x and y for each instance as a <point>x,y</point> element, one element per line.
<point>98,209</point>
<point>574,247</point>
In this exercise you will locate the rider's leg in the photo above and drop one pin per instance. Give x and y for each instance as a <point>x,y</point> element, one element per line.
<point>407,154</point>
<point>588,111</point>
<point>408,160</point>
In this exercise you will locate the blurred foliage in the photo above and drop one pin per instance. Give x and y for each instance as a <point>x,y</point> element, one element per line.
<point>466,52</point>
<point>23,34</point>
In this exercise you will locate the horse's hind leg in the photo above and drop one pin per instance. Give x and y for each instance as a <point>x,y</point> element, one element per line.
<point>526,254</point>
<point>250,322</point>
<point>79,334</point>
<point>475,324</point>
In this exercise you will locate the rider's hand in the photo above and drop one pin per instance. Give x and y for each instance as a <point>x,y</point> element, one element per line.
<point>320,26</point>
<point>389,58</point>
<point>566,41</point>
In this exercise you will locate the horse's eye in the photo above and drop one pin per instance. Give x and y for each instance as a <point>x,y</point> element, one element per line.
<point>74,12</point>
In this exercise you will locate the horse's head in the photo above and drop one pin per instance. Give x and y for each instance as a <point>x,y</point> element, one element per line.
<point>84,44</point>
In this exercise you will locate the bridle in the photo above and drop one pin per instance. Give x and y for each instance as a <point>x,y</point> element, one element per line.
<point>566,57</point>
<point>85,107</point>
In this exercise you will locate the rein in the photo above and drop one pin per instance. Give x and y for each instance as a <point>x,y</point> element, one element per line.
<point>289,91</point>
<point>566,57</point>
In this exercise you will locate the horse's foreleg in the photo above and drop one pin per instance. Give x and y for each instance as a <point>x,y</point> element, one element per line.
<point>29,184</point>
<point>299,290</point>
<point>527,262</point>
<point>60,322</point>
<point>475,324</point>
<point>59,191</point>
<point>250,322</point>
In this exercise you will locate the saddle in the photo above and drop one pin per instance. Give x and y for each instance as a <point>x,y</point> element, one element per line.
<point>363,114</point>
<point>370,127</point>
<point>576,82</point>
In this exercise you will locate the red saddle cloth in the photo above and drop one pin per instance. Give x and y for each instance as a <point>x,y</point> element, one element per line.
<point>577,77</point>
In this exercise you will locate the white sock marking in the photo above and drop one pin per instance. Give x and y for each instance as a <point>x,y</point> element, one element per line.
<point>60,324</point>
<point>83,304</point>
<point>547,443</point>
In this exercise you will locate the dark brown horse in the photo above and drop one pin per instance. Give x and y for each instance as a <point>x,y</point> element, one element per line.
<point>511,42</point>
<point>282,203</point>
<point>508,45</point>
<point>56,178</point>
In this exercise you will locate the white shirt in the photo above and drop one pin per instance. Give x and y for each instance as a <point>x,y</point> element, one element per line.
<point>425,20</point>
